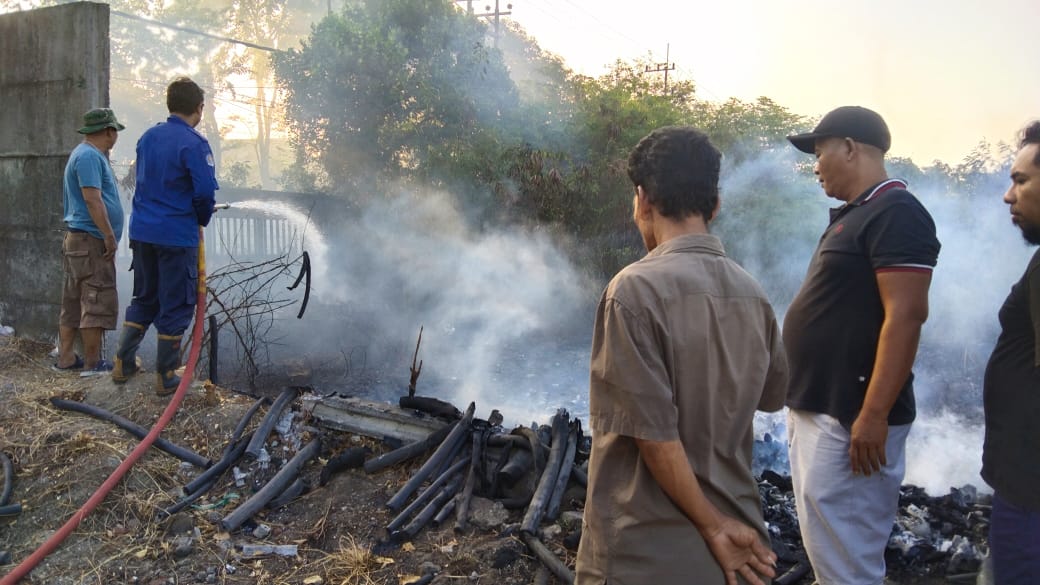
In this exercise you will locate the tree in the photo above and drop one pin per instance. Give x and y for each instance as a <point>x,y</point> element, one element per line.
<point>383,89</point>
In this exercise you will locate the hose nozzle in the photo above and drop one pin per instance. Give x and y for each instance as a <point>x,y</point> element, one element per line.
<point>221,206</point>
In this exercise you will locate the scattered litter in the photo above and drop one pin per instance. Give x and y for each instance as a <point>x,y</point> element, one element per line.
<point>229,497</point>
<point>256,550</point>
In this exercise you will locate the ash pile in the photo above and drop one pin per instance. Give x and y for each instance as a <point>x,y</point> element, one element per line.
<point>933,538</point>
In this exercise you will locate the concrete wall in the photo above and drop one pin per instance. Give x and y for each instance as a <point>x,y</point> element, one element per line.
<point>54,66</point>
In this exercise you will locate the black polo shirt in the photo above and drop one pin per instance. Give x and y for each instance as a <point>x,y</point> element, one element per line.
<point>832,327</point>
<point>1011,396</point>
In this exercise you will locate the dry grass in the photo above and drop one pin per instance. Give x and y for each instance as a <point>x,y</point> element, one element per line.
<point>62,457</point>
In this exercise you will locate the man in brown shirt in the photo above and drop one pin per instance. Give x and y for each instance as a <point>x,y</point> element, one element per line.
<point>685,349</point>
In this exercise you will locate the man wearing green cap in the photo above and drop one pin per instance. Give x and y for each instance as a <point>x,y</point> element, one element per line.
<point>94,222</point>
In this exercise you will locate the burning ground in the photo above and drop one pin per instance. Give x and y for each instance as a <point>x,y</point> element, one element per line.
<point>336,532</point>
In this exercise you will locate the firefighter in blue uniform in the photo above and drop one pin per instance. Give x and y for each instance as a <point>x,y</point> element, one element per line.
<point>176,181</point>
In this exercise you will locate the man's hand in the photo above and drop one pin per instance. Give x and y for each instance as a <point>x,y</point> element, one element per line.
<point>737,549</point>
<point>110,246</point>
<point>867,450</point>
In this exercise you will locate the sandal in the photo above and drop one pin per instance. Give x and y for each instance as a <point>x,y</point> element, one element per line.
<point>76,365</point>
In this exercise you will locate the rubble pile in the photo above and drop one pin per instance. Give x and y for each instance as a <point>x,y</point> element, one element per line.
<point>933,537</point>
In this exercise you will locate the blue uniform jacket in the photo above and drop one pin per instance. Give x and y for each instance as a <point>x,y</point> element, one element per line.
<point>176,180</point>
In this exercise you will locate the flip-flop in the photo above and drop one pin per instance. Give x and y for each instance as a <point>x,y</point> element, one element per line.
<point>77,365</point>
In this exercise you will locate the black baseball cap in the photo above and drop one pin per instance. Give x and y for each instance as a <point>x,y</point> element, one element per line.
<point>855,122</point>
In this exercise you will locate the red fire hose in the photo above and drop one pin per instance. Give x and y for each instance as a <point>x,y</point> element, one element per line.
<point>193,355</point>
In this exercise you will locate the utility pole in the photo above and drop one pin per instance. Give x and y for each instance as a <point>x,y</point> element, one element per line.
<point>666,67</point>
<point>497,14</point>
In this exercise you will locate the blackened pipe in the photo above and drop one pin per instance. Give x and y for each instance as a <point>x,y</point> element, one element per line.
<point>444,513</point>
<point>541,576</point>
<point>427,514</point>
<point>242,424</point>
<point>448,461</point>
<point>516,466</point>
<point>187,499</point>
<point>537,447</point>
<point>214,350</point>
<point>269,420</point>
<point>232,451</point>
<point>134,429</point>
<point>430,491</point>
<point>578,475</point>
<point>552,510</point>
<point>352,458</point>
<point>408,451</point>
<point>550,560</point>
<point>11,510</point>
<point>464,499</point>
<point>547,482</point>
<point>305,270</point>
<point>5,494</point>
<point>447,447</point>
<point>218,468</point>
<point>277,485</point>
<point>500,440</point>
<point>297,489</point>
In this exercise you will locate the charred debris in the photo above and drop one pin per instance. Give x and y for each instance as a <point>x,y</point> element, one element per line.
<point>527,482</point>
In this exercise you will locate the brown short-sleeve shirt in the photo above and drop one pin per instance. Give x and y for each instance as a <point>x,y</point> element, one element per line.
<point>685,347</point>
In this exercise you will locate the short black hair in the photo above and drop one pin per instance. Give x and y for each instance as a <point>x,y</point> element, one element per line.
<point>1031,135</point>
<point>678,168</point>
<point>183,96</point>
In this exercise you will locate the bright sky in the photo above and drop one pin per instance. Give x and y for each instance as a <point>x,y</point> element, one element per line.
<point>945,74</point>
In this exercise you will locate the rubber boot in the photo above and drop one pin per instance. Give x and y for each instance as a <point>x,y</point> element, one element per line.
<point>126,363</point>
<point>167,360</point>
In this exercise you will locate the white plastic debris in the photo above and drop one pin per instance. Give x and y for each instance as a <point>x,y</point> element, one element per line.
<point>255,550</point>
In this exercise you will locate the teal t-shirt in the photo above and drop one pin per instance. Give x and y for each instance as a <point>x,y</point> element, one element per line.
<point>88,167</point>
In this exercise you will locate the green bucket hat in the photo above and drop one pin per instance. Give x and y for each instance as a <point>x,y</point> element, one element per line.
<point>99,119</point>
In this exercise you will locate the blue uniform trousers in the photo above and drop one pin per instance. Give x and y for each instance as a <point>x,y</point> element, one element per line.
<point>165,287</point>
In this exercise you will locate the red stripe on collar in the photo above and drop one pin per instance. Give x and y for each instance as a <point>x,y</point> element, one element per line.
<point>885,186</point>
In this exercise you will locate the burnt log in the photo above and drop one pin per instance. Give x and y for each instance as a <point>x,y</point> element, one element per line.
<point>442,454</point>
<point>218,468</point>
<point>464,499</point>
<point>408,451</point>
<point>552,510</point>
<point>547,481</point>
<point>446,511</point>
<point>295,490</point>
<point>439,501</point>
<point>271,489</point>
<point>352,458</point>
<point>269,420</point>
<point>433,406</point>
<point>430,491</point>
<point>551,561</point>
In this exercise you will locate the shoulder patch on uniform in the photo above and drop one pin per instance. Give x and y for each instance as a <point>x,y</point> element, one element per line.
<point>209,160</point>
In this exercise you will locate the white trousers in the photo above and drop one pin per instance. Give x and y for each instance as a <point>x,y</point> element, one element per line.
<point>845,519</point>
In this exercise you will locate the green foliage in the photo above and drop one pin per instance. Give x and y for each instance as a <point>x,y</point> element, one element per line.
<point>378,92</point>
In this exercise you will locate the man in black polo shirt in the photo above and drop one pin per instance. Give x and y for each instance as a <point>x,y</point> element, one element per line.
<point>851,335</point>
<point>1011,394</point>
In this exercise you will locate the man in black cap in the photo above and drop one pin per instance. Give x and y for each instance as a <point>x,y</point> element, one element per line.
<point>93,218</point>
<point>851,335</point>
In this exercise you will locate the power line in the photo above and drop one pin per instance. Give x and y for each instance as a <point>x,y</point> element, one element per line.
<point>195,32</point>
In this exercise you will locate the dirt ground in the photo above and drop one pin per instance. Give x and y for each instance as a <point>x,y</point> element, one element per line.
<point>61,457</point>
<point>339,530</point>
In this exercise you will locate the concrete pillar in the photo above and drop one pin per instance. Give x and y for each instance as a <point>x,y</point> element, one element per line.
<point>54,66</point>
